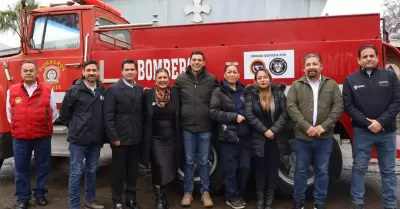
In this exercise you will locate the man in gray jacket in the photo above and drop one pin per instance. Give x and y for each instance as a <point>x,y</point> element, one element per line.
<point>196,86</point>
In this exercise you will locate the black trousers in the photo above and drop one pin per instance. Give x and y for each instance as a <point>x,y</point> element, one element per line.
<point>267,167</point>
<point>125,160</point>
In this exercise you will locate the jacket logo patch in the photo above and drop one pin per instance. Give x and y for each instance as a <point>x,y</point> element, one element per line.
<point>242,98</point>
<point>101,97</point>
<point>359,86</point>
<point>383,83</point>
<point>18,100</point>
<point>224,127</point>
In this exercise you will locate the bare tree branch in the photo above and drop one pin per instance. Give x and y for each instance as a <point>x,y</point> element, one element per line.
<point>392,18</point>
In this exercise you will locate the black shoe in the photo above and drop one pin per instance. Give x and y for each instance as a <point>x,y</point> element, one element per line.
<point>118,206</point>
<point>260,200</point>
<point>319,206</point>
<point>298,204</point>
<point>269,199</point>
<point>161,197</point>
<point>238,204</point>
<point>21,205</point>
<point>357,206</point>
<point>132,204</point>
<point>42,201</point>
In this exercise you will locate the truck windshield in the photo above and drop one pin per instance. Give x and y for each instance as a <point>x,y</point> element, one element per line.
<point>56,32</point>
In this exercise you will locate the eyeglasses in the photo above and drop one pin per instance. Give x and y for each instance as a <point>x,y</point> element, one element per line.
<point>231,63</point>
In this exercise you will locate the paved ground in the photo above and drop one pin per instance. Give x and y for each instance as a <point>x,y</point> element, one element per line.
<point>338,196</point>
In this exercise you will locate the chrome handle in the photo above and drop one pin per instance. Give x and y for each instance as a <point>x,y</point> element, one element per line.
<point>77,65</point>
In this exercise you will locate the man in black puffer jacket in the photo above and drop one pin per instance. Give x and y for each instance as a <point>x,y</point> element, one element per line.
<point>227,108</point>
<point>82,112</point>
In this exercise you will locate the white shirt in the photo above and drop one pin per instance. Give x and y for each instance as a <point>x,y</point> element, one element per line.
<point>30,90</point>
<point>93,89</point>
<point>315,88</point>
<point>128,84</point>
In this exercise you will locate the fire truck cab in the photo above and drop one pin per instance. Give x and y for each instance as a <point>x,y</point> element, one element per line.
<point>60,38</point>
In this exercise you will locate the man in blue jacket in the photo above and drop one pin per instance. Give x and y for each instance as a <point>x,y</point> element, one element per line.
<point>372,99</point>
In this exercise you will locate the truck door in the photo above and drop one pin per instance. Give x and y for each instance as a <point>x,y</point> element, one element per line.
<point>57,47</point>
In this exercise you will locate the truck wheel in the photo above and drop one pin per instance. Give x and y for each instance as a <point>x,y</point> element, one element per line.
<point>286,171</point>
<point>215,167</point>
<point>1,163</point>
<point>393,63</point>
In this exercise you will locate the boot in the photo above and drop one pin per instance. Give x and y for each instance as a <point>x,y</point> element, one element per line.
<point>269,198</point>
<point>161,197</point>
<point>260,200</point>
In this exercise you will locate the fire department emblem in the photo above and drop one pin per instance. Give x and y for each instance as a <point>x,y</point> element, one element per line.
<point>278,66</point>
<point>51,75</point>
<point>18,100</point>
<point>257,65</point>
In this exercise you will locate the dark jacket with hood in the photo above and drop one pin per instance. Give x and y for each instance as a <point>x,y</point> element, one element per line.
<point>82,112</point>
<point>123,113</point>
<point>225,105</point>
<point>195,93</point>
<point>260,124</point>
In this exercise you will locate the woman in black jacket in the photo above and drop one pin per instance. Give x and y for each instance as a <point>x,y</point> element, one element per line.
<point>265,109</point>
<point>227,108</point>
<point>162,134</point>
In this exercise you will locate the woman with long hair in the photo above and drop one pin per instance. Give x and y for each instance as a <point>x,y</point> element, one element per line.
<point>161,137</point>
<point>265,109</point>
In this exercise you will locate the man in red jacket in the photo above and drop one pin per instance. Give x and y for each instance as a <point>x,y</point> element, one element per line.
<point>31,112</point>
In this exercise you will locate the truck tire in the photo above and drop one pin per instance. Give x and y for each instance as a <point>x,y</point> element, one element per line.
<point>286,181</point>
<point>215,167</point>
<point>1,163</point>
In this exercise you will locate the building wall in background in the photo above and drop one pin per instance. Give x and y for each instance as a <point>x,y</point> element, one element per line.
<point>171,12</point>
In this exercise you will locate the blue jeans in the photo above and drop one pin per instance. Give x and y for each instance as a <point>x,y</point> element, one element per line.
<point>237,161</point>
<point>385,144</point>
<point>79,153</point>
<point>316,151</point>
<point>22,162</point>
<point>202,142</point>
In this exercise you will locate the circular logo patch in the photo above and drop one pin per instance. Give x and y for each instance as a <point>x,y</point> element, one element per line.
<point>51,75</point>
<point>278,66</point>
<point>257,65</point>
<point>18,100</point>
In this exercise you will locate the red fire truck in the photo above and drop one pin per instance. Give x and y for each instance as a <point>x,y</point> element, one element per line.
<point>60,38</point>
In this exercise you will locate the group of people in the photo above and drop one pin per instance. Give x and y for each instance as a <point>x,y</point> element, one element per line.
<point>153,126</point>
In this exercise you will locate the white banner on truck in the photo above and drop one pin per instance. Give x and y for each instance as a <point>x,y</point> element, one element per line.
<point>280,63</point>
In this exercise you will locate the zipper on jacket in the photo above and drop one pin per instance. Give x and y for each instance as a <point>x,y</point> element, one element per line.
<point>370,86</point>
<point>47,118</point>
<point>38,100</point>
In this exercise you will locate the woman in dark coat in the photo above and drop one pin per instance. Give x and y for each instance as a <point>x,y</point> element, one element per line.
<point>265,109</point>
<point>161,135</point>
<point>227,109</point>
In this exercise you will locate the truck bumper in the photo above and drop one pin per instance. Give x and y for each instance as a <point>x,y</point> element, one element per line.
<point>60,145</point>
<point>6,146</point>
